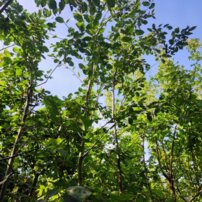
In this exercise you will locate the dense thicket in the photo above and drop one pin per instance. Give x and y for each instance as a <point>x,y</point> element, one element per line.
<point>122,136</point>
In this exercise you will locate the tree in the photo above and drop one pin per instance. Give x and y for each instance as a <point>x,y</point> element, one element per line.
<point>176,141</point>
<point>51,146</point>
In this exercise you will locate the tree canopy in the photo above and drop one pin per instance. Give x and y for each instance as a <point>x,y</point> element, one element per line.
<point>122,136</point>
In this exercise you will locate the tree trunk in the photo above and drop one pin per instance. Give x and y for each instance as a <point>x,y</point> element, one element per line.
<point>118,156</point>
<point>80,164</point>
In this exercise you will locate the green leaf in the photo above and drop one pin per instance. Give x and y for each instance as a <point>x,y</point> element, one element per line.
<point>149,116</point>
<point>84,7</point>
<point>171,41</point>
<point>126,39</point>
<point>69,61</point>
<point>145,3</point>
<point>152,6</point>
<point>87,18</point>
<point>144,22</point>
<point>192,28</point>
<point>59,19</point>
<point>51,25</point>
<point>46,12</point>
<point>53,104</point>
<point>111,3</point>
<point>177,30</point>
<point>96,2</point>
<point>98,17</point>
<point>169,27</point>
<point>81,26</point>
<point>139,32</point>
<point>81,66</point>
<point>44,49</point>
<point>62,4</point>
<point>92,9</point>
<point>52,4</point>
<point>86,123</point>
<point>16,49</point>
<point>78,17</point>
<point>43,3</point>
<point>7,60</point>
<point>18,72</point>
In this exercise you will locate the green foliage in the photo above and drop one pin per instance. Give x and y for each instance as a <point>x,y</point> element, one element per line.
<point>121,136</point>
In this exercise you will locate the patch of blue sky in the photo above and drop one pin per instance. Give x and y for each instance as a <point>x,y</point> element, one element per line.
<point>177,13</point>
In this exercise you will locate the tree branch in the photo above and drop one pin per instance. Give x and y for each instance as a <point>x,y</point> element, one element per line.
<point>7,47</point>
<point>9,157</point>
<point>196,195</point>
<point>14,150</point>
<point>5,6</point>
<point>49,76</point>
<point>5,178</point>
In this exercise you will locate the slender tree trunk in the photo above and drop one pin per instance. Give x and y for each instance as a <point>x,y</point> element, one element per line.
<point>118,156</point>
<point>145,168</point>
<point>16,143</point>
<point>80,164</point>
<point>82,148</point>
<point>36,177</point>
<point>172,178</point>
<point>172,187</point>
<point>35,181</point>
<point>168,176</point>
<point>118,162</point>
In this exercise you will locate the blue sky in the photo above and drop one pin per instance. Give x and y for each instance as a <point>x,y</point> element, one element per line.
<point>177,13</point>
<point>180,13</point>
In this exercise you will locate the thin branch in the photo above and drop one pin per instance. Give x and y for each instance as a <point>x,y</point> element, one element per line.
<point>171,163</point>
<point>196,195</point>
<point>159,161</point>
<point>117,148</point>
<point>166,156</point>
<point>49,77</point>
<point>66,25</point>
<point>95,144</point>
<point>146,169</point>
<point>19,135</point>
<point>99,94</point>
<point>5,6</point>
<point>55,36</point>
<point>180,194</point>
<point>5,179</point>
<point>7,47</point>
<point>172,150</point>
<point>75,74</point>
<point>9,157</point>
